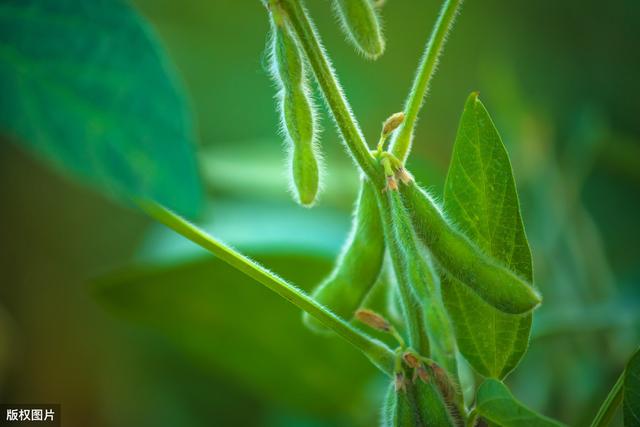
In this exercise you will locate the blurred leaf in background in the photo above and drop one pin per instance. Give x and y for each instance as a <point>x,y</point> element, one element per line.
<point>226,323</point>
<point>86,86</point>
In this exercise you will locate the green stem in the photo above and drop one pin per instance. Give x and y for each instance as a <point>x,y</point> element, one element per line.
<point>376,351</point>
<point>610,404</point>
<point>472,418</point>
<point>412,309</point>
<point>328,82</point>
<point>402,142</point>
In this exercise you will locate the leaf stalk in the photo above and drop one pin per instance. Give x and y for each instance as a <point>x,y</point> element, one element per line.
<point>377,352</point>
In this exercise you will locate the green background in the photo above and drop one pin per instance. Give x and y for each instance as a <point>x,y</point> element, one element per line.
<point>179,339</point>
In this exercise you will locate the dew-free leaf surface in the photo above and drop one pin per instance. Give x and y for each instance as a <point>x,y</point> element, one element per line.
<point>496,404</point>
<point>631,399</point>
<point>480,197</point>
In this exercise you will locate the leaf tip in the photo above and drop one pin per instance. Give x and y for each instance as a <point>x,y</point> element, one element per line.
<point>473,97</point>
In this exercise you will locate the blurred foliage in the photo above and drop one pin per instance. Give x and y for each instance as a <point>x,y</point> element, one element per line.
<point>75,82</point>
<point>559,79</point>
<point>262,345</point>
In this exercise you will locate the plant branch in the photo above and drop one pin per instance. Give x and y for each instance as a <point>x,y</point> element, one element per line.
<point>379,354</point>
<point>328,82</point>
<point>610,404</point>
<point>401,144</point>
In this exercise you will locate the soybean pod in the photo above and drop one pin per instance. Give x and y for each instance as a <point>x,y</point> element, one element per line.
<point>411,305</point>
<point>362,25</point>
<point>431,406</point>
<point>397,410</point>
<point>297,112</point>
<point>403,233</point>
<point>417,404</point>
<point>491,281</point>
<point>423,281</point>
<point>358,266</point>
<point>439,328</point>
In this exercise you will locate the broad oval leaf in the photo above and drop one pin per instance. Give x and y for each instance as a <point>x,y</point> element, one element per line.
<point>86,86</point>
<point>631,399</point>
<point>480,197</point>
<point>496,404</point>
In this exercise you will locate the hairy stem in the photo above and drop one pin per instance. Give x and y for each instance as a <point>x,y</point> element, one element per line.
<point>412,310</point>
<point>379,354</point>
<point>402,142</point>
<point>328,82</point>
<point>610,404</point>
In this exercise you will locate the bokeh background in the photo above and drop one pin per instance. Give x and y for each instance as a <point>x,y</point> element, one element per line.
<point>125,324</point>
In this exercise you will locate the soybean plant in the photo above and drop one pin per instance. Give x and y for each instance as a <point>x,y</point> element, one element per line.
<point>460,271</point>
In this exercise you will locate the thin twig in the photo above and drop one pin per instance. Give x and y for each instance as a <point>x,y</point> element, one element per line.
<point>376,351</point>
<point>401,144</point>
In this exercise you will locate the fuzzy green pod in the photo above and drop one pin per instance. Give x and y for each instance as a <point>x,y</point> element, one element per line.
<point>431,406</point>
<point>396,409</point>
<point>407,296</point>
<point>423,282</point>
<point>358,265</point>
<point>298,116</point>
<point>361,24</point>
<point>305,168</point>
<point>461,258</point>
<point>392,298</point>
<point>418,404</point>
<point>404,234</point>
<point>288,64</point>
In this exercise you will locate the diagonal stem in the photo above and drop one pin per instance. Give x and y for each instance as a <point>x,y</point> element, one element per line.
<point>402,142</point>
<point>330,87</point>
<point>379,354</point>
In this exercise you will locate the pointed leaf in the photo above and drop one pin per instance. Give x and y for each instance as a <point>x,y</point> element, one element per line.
<point>480,197</point>
<point>496,404</point>
<point>631,399</point>
<point>86,87</point>
<point>626,390</point>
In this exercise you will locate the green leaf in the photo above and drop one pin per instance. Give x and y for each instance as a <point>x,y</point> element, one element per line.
<point>496,404</point>
<point>226,323</point>
<point>480,197</point>
<point>631,399</point>
<point>625,390</point>
<point>223,322</point>
<point>86,87</point>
